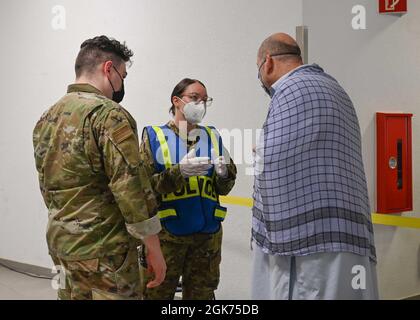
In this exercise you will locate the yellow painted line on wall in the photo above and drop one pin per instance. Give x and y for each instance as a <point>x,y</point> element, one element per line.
<point>396,221</point>
<point>382,219</point>
<point>238,201</point>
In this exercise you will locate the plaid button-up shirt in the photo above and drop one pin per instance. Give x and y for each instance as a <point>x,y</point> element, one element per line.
<point>310,195</point>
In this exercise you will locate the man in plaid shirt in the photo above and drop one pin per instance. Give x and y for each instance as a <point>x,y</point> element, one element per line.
<point>312,229</point>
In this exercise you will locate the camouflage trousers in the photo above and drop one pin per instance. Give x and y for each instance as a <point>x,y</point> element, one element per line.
<point>196,258</point>
<point>108,278</point>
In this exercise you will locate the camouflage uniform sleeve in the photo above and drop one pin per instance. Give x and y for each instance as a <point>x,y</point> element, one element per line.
<point>40,148</point>
<point>128,180</point>
<point>225,185</point>
<point>165,182</point>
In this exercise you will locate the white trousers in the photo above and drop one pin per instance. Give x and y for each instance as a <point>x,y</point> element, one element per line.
<point>323,276</point>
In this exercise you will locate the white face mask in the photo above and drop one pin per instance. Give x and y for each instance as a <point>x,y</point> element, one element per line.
<point>194,113</point>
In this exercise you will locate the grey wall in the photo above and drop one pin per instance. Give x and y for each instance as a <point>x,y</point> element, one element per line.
<point>380,69</point>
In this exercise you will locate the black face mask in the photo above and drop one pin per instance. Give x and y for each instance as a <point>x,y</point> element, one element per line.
<point>267,90</point>
<point>270,91</point>
<point>117,96</point>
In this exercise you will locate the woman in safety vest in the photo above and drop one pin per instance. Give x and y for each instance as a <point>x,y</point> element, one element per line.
<point>190,168</point>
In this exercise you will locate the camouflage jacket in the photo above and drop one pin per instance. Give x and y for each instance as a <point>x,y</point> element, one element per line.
<point>171,180</point>
<point>97,192</point>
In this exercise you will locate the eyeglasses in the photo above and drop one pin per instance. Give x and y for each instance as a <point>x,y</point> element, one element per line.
<point>275,55</point>
<point>196,98</point>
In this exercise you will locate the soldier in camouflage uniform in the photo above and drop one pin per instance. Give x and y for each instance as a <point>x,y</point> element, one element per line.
<point>193,253</point>
<point>100,202</point>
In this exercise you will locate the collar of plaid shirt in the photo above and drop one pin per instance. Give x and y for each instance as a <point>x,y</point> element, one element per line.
<point>277,84</point>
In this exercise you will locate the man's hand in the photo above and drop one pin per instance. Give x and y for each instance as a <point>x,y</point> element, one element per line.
<point>155,261</point>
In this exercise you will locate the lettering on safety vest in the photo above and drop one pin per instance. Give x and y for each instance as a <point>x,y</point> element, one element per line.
<point>197,186</point>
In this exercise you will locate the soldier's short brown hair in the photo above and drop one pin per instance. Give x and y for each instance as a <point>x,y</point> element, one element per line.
<point>98,50</point>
